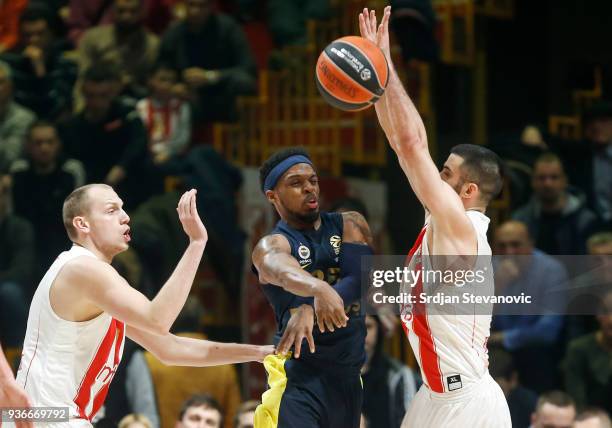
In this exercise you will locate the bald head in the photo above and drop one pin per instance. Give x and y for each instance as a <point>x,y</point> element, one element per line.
<point>512,238</point>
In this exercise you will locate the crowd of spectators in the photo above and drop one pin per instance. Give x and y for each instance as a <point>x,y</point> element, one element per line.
<point>558,347</point>
<point>125,91</point>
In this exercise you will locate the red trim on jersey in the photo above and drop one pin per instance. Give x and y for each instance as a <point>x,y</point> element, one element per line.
<point>101,395</point>
<point>430,361</point>
<point>25,383</point>
<point>97,363</point>
<point>413,250</point>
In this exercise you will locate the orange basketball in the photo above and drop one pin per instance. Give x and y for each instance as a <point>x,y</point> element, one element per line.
<point>352,73</point>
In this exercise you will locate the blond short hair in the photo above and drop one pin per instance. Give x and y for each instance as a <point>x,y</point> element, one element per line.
<point>76,204</point>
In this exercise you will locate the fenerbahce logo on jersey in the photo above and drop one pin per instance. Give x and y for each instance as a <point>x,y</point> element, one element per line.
<point>304,253</point>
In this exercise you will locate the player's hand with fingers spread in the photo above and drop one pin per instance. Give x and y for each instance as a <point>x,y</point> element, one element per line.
<point>378,35</point>
<point>298,328</point>
<point>190,219</point>
<point>329,308</point>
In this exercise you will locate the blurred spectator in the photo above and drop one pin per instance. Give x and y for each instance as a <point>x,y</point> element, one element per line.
<point>10,11</point>
<point>554,409</point>
<point>135,420</point>
<point>132,390</point>
<point>41,182</point>
<point>125,43</point>
<point>14,121</point>
<point>388,385</point>
<point>519,159</point>
<point>158,239</point>
<point>218,183</point>
<point>598,130</point>
<point>166,117</point>
<point>588,363</point>
<point>414,22</point>
<point>592,280</point>
<point>43,79</point>
<point>212,54</point>
<point>109,138</point>
<point>521,401</point>
<point>590,161</point>
<point>558,220</point>
<point>287,19</point>
<point>200,411</point>
<point>174,384</point>
<point>531,332</point>
<point>16,264</point>
<point>593,418</point>
<point>91,13</point>
<point>245,415</point>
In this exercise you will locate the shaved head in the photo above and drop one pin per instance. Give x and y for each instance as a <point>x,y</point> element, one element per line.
<point>76,204</point>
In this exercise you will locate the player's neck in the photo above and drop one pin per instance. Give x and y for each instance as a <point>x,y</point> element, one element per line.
<point>301,225</point>
<point>480,208</point>
<point>88,245</point>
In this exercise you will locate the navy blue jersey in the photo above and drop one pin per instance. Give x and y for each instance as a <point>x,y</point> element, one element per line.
<point>318,252</point>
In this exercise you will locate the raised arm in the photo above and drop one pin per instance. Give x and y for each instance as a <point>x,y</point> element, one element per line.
<point>275,265</point>
<point>405,131</point>
<point>183,351</point>
<point>108,291</point>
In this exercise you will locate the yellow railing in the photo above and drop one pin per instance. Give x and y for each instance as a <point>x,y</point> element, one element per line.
<point>570,127</point>
<point>289,111</point>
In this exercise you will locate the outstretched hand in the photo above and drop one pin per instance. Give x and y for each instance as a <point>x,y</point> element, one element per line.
<point>298,328</point>
<point>190,219</point>
<point>378,35</point>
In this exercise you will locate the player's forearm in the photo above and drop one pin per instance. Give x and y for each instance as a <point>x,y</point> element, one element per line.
<point>185,351</point>
<point>399,117</point>
<point>172,296</point>
<point>299,282</point>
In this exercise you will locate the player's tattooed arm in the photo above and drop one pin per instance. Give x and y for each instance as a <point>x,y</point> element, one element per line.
<point>356,229</point>
<point>275,265</point>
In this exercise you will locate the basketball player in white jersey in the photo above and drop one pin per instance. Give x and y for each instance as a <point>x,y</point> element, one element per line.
<point>83,309</point>
<point>451,349</point>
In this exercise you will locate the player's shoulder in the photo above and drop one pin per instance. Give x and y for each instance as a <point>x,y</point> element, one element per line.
<point>353,217</point>
<point>86,268</point>
<point>273,242</point>
<point>356,228</point>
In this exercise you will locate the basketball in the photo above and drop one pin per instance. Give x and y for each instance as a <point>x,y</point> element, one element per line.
<point>352,73</point>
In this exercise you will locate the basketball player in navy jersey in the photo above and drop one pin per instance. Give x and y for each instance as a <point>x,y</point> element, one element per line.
<point>449,346</point>
<point>309,266</point>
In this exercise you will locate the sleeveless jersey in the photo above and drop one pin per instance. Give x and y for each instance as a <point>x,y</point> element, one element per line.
<point>65,363</point>
<point>450,347</point>
<point>318,252</point>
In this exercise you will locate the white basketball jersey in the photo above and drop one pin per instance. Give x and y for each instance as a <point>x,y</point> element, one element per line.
<point>65,363</point>
<point>450,347</point>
